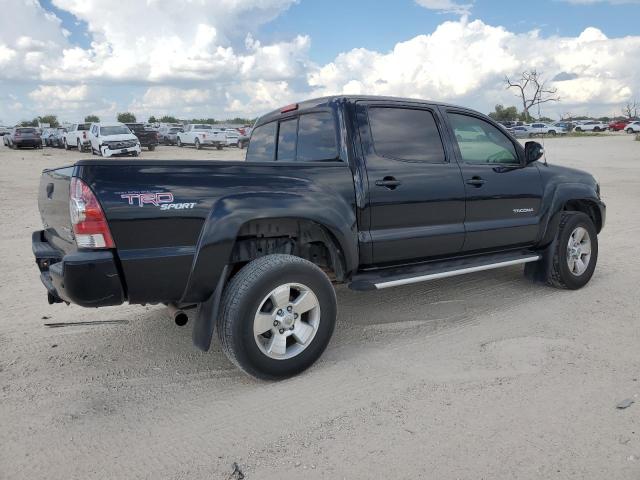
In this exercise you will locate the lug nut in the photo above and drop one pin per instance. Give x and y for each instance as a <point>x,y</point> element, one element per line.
<point>289,308</point>
<point>276,323</point>
<point>295,315</point>
<point>281,331</point>
<point>280,312</point>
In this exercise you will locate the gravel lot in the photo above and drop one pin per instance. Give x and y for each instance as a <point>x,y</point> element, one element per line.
<point>480,376</point>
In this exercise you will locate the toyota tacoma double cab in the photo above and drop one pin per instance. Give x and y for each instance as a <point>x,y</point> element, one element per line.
<point>374,192</point>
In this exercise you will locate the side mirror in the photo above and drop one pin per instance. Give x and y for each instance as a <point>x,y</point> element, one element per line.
<point>532,152</point>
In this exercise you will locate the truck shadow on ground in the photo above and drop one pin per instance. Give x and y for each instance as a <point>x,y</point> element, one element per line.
<point>428,308</point>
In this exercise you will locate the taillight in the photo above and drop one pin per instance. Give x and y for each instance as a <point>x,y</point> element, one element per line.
<point>87,218</point>
<point>84,135</point>
<point>17,134</point>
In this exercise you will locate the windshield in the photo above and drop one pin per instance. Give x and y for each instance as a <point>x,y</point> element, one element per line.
<point>26,130</point>
<point>115,130</point>
<point>175,130</point>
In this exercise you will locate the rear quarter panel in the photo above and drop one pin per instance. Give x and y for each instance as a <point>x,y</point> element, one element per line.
<point>177,254</point>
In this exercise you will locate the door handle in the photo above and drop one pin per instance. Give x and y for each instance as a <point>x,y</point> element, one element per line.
<point>388,182</point>
<point>476,181</point>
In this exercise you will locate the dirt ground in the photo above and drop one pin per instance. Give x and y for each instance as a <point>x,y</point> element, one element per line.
<point>480,376</point>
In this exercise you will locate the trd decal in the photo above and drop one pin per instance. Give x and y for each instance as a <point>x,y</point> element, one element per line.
<point>142,199</point>
<point>164,200</point>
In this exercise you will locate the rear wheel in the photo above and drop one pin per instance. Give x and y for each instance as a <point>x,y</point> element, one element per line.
<point>629,130</point>
<point>219,147</point>
<point>179,142</point>
<point>79,146</point>
<point>197,144</point>
<point>277,316</point>
<point>552,133</point>
<point>152,148</point>
<point>66,146</point>
<point>576,252</point>
<point>578,129</point>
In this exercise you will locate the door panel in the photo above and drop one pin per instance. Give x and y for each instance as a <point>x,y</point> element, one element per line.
<point>416,196</point>
<point>503,198</point>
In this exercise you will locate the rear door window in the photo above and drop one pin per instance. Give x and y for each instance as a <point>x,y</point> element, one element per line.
<point>262,147</point>
<point>406,134</point>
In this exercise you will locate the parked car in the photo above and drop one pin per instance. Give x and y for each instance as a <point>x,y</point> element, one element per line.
<point>618,125</point>
<point>77,136</point>
<point>200,135</point>
<point>545,129</point>
<point>148,137</point>
<point>169,135</point>
<point>24,137</point>
<point>633,127</point>
<point>521,131</point>
<point>4,131</point>
<point>109,139</point>
<point>57,139</point>
<point>233,138</point>
<point>591,126</point>
<point>567,126</point>
<point>396,195</point>
<point>47,136</point>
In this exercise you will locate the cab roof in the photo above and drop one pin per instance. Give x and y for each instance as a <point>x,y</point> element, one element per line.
<point>331,101</point>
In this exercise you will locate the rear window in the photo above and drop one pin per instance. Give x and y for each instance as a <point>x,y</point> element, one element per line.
<point>83,126</point>
<point>310,137</point>
<point>26,130</point>
<point>406,134</point>
<point>262,147</point>
<point>317,138</point>
<point>202,127</point>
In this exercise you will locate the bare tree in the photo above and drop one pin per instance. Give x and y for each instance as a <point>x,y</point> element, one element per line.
<point>630,110</point>
<point>532,90</point>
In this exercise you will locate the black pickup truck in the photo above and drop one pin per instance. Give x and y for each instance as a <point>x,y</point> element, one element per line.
<point>374,192</point>
<point>148,138</point>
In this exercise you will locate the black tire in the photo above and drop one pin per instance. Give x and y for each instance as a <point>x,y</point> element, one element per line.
<point>152,148</point>
<point>629,130</point>
<point>179,142</point>
<point>134,154</point>
<point>218,147</point>
<point>559,274</point>
<point>578,129</point>
<point>196,143</point>
<point>552,133</point>
<point>66,145</point>
<point>241,301</point>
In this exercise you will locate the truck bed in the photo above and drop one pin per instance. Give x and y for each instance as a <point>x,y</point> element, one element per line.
<point>163,214</point>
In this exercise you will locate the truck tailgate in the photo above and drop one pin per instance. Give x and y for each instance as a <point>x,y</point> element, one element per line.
<point>53,203</point>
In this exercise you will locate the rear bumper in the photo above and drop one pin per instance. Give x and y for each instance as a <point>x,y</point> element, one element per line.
<point>86,278</point>
<point>27,142</point>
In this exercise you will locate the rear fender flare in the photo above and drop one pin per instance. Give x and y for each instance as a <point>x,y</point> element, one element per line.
<point>230,213</point>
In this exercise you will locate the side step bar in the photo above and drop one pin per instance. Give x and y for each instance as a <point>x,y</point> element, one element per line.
<point>395,276</point>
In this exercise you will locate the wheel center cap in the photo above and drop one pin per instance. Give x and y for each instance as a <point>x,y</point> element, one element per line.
<point>288,319</point>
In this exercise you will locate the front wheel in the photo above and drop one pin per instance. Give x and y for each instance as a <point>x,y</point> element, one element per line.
<point>197,144</point>
<point>576,252</point>
<point>179,142</point>
<point>629,130</point>
<point>277,316</point>
<point>578,129</point>
<point>66,145</point>
<point>151,148</point>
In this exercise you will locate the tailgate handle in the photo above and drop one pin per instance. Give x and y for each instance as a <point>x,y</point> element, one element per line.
<point>49,190</point>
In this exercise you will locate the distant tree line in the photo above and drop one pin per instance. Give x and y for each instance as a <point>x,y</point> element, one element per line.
<point>128,117</point>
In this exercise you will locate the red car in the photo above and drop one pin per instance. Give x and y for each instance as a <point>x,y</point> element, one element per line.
<point>618,125</point>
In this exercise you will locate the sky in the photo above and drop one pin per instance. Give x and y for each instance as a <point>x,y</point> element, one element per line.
<point>228,58</point>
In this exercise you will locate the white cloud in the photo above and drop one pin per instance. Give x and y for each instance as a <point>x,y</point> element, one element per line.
<point>183,58</point>
<point>446,6</point>
<point>466,62</point>
<point>592,2</point>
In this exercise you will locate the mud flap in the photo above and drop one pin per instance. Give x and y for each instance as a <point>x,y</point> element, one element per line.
<point>208,314</point>
<point>539,271</point>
